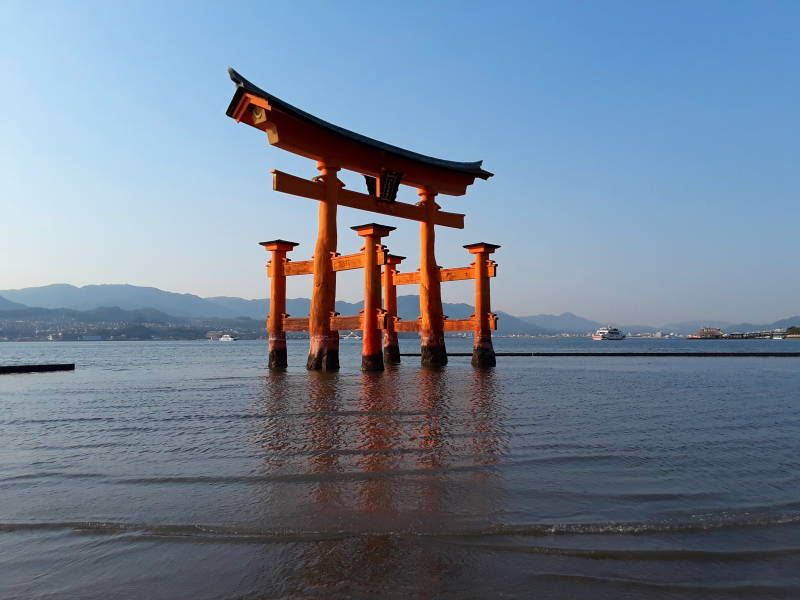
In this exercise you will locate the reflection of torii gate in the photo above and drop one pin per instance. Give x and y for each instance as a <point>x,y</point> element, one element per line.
<point>385,167</point>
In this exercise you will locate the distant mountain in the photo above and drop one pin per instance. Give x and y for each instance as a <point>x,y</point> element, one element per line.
<point>8,305</point>
<point>563,323</point>
<point>104,314</point>
<point>255,309</point>
<point>124,296</point>
<point>171,305</point>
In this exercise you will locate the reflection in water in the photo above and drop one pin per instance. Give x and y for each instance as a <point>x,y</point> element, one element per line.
<point>381,461</point>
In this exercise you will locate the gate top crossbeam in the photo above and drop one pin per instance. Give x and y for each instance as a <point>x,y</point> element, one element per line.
<point>299,132</point>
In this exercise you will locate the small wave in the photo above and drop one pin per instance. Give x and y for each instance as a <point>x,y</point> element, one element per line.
<point>190,532</point>
<point>462,535</point>
<point>639,528</point>
<point>659,555</point>
<point>734,591</point>
<point>46,474</point>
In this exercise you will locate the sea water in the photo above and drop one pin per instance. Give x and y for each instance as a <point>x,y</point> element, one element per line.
<point>187,470</point>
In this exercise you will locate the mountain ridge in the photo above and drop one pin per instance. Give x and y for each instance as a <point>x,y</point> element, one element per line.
<point>129,297</point>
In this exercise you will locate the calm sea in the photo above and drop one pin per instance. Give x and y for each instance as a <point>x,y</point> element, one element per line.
<point>187,470</point>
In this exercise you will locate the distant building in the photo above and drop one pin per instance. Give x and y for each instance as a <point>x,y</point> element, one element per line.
<point>707,333</point>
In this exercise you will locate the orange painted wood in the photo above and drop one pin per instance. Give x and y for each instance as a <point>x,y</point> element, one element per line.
<point>356,261</point>
<point>447,324</point>
<point>323,344</point>
<point>371,338</point>
<point>406,326</point>
<point>460,324</point>
<point>338,323</point>
<point>455,274</point>
<point>306,139</point>
<point>301,267</point>
<point>350,322</point>
<point>430,292</point>
<point>297,186</point>
<point>295,324</point>
<point>406,278</point>
<point>339,263</point>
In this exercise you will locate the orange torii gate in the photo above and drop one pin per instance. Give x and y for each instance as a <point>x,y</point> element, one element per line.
<point>385,167</point>
<point>373,318</point>
<point>481,323</point>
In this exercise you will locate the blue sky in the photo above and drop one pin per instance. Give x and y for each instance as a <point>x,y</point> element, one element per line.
<point>645,153</point>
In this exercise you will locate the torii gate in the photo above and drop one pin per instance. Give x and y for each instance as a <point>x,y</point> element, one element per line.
<point>385,167</point>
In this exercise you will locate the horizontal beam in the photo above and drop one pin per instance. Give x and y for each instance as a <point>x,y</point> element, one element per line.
<point>301,267</point>
<point>455,274</point>
<point>356,261</point>
<point>337,323</point>
<point>460,324</point>
<point>468,324</point>
<point>340,263</point>
<point>406,278</point>
<point>297,186</point>
<point>353,322</point>
<point>295,324</point>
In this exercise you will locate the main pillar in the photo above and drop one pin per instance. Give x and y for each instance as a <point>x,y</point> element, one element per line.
<point>482,349</point>
<point>277,301</point>
<point>371,357</point>
<point>391,347</point>
<point>431,330</point>
<point>323,354</point>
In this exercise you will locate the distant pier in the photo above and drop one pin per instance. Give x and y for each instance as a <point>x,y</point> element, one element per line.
<point>36,368</point>
<point>641,354</point>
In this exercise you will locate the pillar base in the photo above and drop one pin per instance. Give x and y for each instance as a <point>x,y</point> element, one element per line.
<point>483,357</point>
<point>433,356</point>
<point>324,352</point>
<point>391,354</point>
<point>277,359</point>
<point>372,362</point>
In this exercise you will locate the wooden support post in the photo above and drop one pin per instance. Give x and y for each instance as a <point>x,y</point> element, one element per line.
<point>277,301</point>
<point>482,349</point>
<point>431,331</point>
<point>371,357</point>
<point>391,347</point>
<point>323,354</point>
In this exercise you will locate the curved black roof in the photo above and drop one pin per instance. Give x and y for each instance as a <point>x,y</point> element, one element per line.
<point>244,86</point>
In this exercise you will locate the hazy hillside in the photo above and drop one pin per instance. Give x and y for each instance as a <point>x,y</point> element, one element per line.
<point>125,296</point>
<point>563,323</point>
<point>8,305</point>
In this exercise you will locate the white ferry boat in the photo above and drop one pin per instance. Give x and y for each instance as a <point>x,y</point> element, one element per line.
<point>227,338</point>
<point>608,333</point>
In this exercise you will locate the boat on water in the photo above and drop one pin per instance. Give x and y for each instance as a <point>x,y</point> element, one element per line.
<point>352,335</point>
<point>227,338</point>
<point>608,333</point>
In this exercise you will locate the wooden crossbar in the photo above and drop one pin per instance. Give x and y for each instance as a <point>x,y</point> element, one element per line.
<point>297,186</point>
<point>468,324</point>
<point>455,274</point>
<point>340,263</point>
<point>354,322</point>
<point>338,323</point>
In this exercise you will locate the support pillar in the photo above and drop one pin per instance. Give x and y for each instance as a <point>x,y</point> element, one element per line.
<point>371,356</point>
<point>431,330</point>
<point>482,349</point>
<point>391,347</point>
<point>323,354</point>
<point>277,301</point>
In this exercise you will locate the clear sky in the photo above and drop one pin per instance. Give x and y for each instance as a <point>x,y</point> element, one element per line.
<point>646,153</point>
